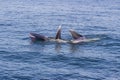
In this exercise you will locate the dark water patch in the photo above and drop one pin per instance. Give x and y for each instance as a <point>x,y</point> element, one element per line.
<point>100,37</point>
<point>22,56</point>
<point>22,77</point>
<point>96,28</point>
<point>4,52</point>
<point>25,38</point>
<point>109,45</point>
<point>59,58</point>
<point>118,56</point>
<point>108,41</point>
<point>86,62</point>
<point>5,25</point>
<point>90,78</point>
<point>6,78</point>
<point>113,44</point>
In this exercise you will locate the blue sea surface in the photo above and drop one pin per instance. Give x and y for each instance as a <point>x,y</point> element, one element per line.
<point>20,59</point>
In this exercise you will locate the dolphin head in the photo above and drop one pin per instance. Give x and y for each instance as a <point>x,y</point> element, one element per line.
<point>37,37</point>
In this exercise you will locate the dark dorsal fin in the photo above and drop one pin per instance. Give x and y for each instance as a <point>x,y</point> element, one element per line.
<point>75,35</point>
<point>58,34</point>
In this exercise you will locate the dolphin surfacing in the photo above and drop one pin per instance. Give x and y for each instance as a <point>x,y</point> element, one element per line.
<point>57,38</point>
<point>38,37</point>
<point>78,38</point>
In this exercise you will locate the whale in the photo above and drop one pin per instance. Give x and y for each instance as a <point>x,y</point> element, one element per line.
<point>39,37</point>
<point>78,38</point>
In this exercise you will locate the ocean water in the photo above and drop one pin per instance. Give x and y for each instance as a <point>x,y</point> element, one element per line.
<point>20,59</point>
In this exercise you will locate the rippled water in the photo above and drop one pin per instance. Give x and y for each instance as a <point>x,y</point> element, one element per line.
<point>22,60</point>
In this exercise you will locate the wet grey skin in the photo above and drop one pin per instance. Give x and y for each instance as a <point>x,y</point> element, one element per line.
<point>39,37</point>
<point>77,38</point>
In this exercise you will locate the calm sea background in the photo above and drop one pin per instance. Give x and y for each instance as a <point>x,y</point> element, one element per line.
<point>22,60</point>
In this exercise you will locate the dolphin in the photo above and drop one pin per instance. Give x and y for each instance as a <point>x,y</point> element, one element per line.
<point>78,38</point>
<point>39,37</point>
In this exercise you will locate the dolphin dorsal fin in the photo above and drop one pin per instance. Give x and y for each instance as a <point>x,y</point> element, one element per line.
<point>75,35</point>
<point>58,34</point>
